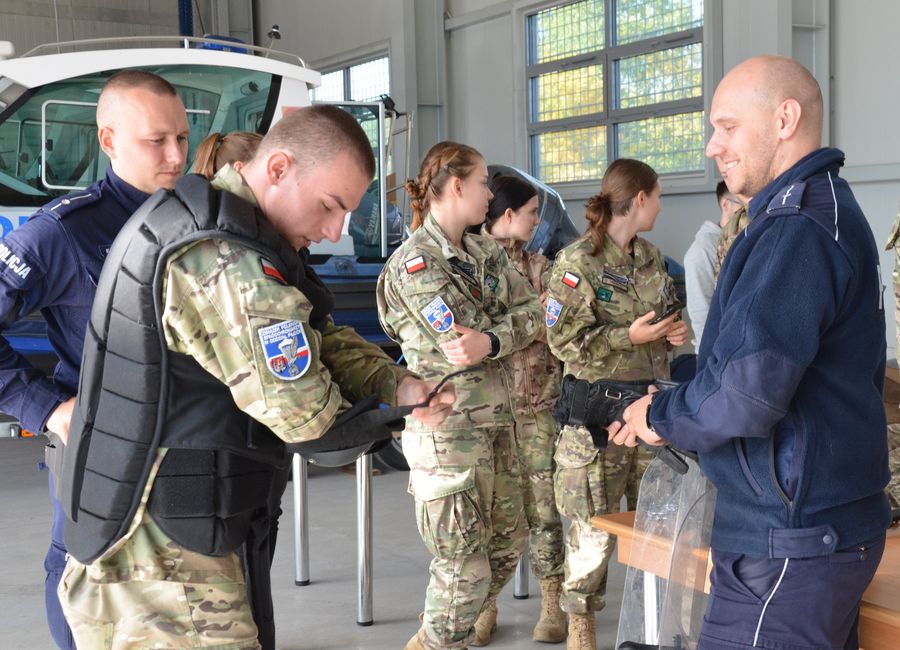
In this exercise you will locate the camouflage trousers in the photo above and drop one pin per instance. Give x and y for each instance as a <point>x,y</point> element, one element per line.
<point>893,488</point>
<point>589,482</point>
<point>469,512</point>
<point>109,613</point>
<point>536,438</point>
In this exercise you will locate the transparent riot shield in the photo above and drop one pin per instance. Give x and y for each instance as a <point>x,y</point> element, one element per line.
<point>666,578</point>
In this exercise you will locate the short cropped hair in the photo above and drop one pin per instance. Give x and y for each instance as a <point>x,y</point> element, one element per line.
<point>318,133</point>
<point>126,80</point>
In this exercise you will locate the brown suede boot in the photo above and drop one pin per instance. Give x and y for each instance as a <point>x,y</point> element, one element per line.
<point>485,625</point>
<point>417,642</point>
<point>551,626</point>
<point>582,635</point>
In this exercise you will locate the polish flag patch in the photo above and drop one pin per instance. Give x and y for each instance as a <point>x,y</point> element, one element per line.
<point>269,269</point>
<point>570,279</point>
<point>415,264</point>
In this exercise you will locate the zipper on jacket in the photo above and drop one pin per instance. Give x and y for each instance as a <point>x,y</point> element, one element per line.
<point>775,483</point>
<point>745,466</point>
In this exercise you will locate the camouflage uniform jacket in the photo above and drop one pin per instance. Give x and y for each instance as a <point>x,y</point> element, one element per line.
<point>427,285</point>
<point>732,229</point>
<point>217,297</point>
<point>536,372</point>
<point>594,299</point>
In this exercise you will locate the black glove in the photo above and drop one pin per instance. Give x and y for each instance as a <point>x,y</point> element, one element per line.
<point>596,405</point>
<point>361,424</point>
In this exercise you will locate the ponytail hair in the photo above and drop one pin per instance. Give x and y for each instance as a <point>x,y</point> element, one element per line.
<point>444,161</point>
<point>217,150</point>
<point>510,193</point>
<point>623,180</point>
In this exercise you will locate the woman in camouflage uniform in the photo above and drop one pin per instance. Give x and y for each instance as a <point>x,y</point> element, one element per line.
<point>452,301</point>
<point>605,290</point>
<point>512,217</point>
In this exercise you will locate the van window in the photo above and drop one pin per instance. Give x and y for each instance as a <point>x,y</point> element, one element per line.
<point>217,98</point>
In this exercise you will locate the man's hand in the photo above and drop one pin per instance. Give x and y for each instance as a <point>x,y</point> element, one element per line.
<point>471,347</point>
<point>59,420</point>
<point>677,334</point>
<point>635,417</point>
<point>413,390</point>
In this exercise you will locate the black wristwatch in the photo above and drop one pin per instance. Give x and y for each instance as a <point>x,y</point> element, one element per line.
<point>495,345</point>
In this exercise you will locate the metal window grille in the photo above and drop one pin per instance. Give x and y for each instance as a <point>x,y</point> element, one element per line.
<point>360,82</point>
<point>626,75</point>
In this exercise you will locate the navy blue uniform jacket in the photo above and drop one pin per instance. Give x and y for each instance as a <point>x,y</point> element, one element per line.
<point>786,408</point>
<point>51,265</point>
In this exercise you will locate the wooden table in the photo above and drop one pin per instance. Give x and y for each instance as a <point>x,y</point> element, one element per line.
<point>879,614</point>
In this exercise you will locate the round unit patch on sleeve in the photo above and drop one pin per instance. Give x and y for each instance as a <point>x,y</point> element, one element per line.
<point>286,349</point>
<point>439,315</point>
<point>554,309</point>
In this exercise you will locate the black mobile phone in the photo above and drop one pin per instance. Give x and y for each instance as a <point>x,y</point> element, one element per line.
<point>674,308</point>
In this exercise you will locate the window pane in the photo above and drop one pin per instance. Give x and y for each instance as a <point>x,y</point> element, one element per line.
<point>564,31</point>
<point>563,156</point>
<point>673,143</point>
<point>640,19</point>
<point>568,93</point>
<point>370,80</point>
<point>332,88</point>
<point>662,76</point>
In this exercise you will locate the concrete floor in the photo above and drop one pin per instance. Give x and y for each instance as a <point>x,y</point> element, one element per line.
<point>318,616</point>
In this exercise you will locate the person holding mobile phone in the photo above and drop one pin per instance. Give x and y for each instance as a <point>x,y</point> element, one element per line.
<point>606,289</point>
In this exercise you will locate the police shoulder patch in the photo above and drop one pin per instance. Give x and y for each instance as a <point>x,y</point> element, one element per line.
<point>269,270</point>
<point>286,349</point>
<point>554,309</point>
<point>438,315</point>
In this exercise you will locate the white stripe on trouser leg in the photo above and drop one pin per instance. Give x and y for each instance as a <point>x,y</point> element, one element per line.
<point>768,600</point>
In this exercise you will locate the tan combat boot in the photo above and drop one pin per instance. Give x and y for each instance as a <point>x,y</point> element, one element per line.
<point>417,642</point>
<point>551,626</point>
<point>581,632</point>
<point>485,625</point>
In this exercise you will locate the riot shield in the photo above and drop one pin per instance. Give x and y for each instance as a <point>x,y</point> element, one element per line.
<point>666,579</point>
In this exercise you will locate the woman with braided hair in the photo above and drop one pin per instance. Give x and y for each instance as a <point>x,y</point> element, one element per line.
<point>605,291</point>
<point>452,300</point>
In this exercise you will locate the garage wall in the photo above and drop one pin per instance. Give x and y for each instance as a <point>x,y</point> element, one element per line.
<point>459,64</point>
<point>29,23</point>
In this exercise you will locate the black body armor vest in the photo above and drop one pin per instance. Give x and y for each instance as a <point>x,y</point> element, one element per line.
<point>135,395</point>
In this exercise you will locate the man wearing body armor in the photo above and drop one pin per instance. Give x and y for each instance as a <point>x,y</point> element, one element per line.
<point>210,346</point>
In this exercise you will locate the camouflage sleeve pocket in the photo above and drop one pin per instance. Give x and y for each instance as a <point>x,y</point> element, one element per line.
<point>448,516</point>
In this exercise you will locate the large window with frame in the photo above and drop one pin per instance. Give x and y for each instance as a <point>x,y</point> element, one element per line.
<point>615,78</point>
<point>361,82</point>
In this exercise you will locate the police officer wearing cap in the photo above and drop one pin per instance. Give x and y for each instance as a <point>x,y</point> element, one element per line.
<point>51,265</point>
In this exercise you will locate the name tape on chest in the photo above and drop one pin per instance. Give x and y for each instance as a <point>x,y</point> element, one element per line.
<point>438,315</point>
<point>415,264</point>
<point>620,282</point>
<point>570,279</point>
<point>286,348</point>
<point>554,309</point>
